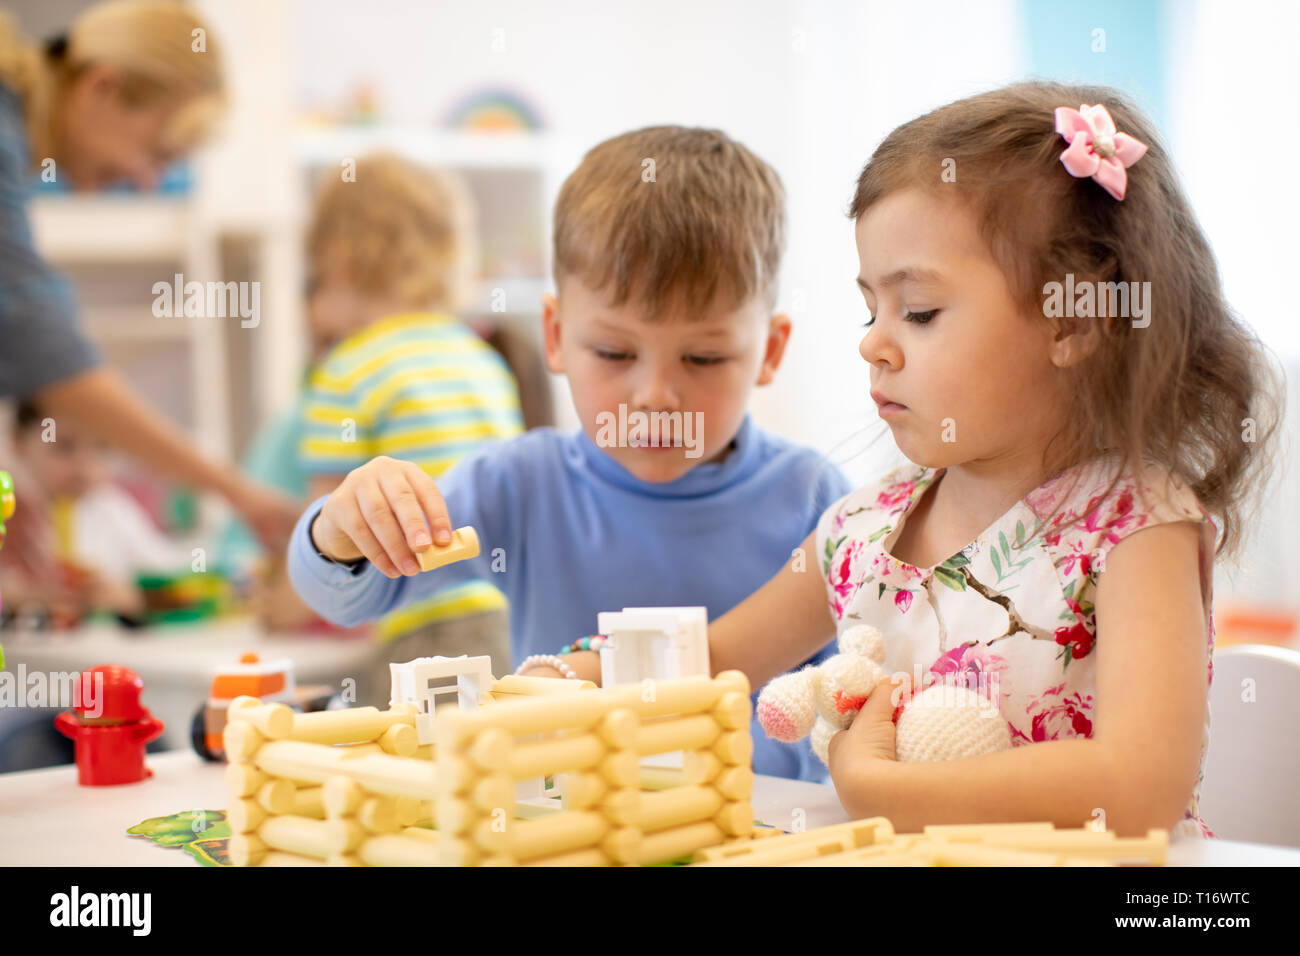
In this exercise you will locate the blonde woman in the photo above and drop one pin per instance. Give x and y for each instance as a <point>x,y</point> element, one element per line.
<point>133,85</point>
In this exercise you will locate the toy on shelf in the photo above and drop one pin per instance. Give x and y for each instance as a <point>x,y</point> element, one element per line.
<point>269,681</point>
<point>180,598</point>
<point>941,722</point>
<point>356,787</point>
<point>873,842</point>
<point>109,726</point>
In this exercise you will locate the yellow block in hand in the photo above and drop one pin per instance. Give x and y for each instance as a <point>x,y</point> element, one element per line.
<point>464,544</point>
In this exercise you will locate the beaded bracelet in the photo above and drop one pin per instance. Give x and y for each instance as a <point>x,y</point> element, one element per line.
<point>593,642</point>
<point>550,660</point>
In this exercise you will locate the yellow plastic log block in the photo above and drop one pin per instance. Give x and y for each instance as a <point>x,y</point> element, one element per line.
<point>411,811</point>
<point>547,836</point>
<point>734,748</point>
<point>622,806</point>
<point>244,780</point>
<point>583,791</point>
<point>680,733</point>
<point>398,849</point>
<point>945,853</point>
<point>592,857</point>
<point>493,792</point>
<point>620,769</point>
<point>582,711</point>
<point>308,802</point>
<point>276,796</point>
<point>421,833</point>
<point>341,796</point>
<point>539,686</point>
<point>678,842</point>
<point>280,858</point>
<point>1151,849</point>
<point>677,807</point>
<point>379,814</point>
<point>547,757</point>
<point>357,725</point>
<point>735,819</point>
<point>464,545</point>
<point>246,849</point>
<point>700,766</point>
<point>241,740</point>
<point>772,851</point>
<point>458,851</point>
<point>733,711</point>
<point>456,816</point>
<point>734,783</point>
<point>315,838</point>
<point>245,815</point>
<point>401,740</point>
<point>273,721</point>
<point>377,772</point>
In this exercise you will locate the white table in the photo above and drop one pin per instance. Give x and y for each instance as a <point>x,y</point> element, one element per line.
<point>47,819</point>
<point>176,662</point>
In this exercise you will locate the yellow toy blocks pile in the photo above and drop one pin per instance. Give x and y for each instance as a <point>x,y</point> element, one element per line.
<point>355,787</point>
<point>873,842</point>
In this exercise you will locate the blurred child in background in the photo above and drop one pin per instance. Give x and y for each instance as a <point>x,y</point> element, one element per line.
<point>87,538</point>
<point>395,373</point>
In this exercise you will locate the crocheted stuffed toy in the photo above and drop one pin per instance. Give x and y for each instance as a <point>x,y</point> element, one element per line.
<point>941,722</point>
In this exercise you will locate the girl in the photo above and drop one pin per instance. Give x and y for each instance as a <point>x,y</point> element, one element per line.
<point>1052,543</point>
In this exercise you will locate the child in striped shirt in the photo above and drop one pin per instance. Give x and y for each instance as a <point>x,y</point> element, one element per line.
<point>402,377</point>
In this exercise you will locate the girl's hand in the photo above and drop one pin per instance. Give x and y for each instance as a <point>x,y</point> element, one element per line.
<point>872,733</point>
<point>386,511</point>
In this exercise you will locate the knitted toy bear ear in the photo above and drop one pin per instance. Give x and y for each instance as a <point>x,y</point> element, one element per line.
<point>863,640</point>
<point>787,705</point>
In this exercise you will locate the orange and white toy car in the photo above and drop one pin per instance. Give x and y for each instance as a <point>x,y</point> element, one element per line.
<point>270,681</point>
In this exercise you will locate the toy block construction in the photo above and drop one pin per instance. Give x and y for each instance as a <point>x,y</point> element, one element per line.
<point>873,842</point>
<point>357,787</point>
<point>653,644</point>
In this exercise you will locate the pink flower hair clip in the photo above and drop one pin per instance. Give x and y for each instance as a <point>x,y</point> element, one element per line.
<point>1095,149</point>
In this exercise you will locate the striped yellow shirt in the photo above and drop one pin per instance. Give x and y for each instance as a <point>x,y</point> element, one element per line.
<point>421,387</point>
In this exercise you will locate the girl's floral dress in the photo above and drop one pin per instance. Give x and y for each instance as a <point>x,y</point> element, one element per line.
<point>1011,615</point>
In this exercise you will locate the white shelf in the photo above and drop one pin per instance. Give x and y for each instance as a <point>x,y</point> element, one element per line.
<point>330,145</point>
<point>91,228</point>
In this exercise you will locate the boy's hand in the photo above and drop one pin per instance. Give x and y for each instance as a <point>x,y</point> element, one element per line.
<point>385,511</point>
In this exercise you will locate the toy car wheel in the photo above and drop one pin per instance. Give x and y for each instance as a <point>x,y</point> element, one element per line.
<point>198,736</point>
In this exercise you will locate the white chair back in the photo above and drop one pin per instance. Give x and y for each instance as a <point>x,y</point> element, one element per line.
<point>1251,790</point>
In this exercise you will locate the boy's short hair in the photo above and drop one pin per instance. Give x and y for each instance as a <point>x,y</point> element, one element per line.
<point>398,230</point>
<point>669,215</point>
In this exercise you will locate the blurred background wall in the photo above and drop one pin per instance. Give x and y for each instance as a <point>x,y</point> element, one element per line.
<point>810,86</point>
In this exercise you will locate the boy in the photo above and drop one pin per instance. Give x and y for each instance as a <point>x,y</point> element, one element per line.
<point>389,251</point>
<point>667,245</point>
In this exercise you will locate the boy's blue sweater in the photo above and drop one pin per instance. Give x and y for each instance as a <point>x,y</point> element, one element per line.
<point>566,532</point>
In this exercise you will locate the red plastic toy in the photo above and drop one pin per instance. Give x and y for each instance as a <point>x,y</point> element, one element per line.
<point>109,726</point>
